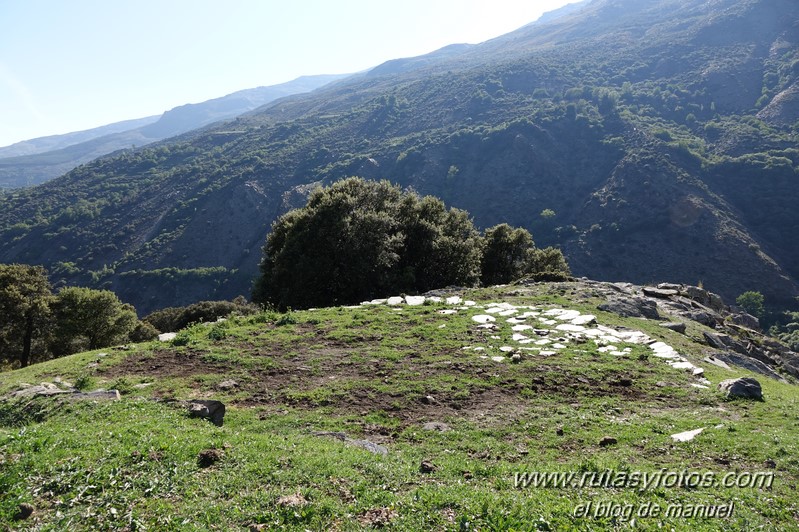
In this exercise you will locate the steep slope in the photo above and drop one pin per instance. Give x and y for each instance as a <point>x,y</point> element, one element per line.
<point>39,160</point>
<point>625,132</point>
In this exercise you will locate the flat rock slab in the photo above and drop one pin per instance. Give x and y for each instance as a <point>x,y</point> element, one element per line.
<point>661,293</point>
<point>688,435</point>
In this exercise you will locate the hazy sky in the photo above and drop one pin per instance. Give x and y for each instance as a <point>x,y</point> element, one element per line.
<point>67,65</point>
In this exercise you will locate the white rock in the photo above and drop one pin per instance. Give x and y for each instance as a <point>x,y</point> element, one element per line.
<point>688,435</point>
<point>469,303</point>
<point>509,312</point>
<point>507,349</point>
<point>483,318</point>
<point>448,311</point>
<point>498,359</point>
<point>435,299</point>
<point>562,314</point>
<point>396,300</point>
<point>570,327</point>
<point>453,300</point>
<point>166,337</point>
<point>520,328</point>
<point>584,319</point>
<point>414,300</point>
<point>519,337</point>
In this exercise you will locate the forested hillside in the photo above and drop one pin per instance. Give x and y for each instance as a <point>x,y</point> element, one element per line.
<point>653,140</point>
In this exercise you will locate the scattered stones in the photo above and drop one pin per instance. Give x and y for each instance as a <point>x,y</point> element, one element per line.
<point>209,457</point>
<point>607,441</point>
<point>427,467</point>
<point>214,411</point>
<point>745,388</point>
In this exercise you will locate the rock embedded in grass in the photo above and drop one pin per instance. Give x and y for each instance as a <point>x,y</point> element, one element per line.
<point>744,388</point>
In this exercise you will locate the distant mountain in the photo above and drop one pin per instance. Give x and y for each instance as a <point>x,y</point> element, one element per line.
<point>36,161</point>
<point>653,140</point>
<point>57,142</point>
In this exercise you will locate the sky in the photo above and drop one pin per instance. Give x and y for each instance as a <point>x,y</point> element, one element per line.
<point>70,65</point>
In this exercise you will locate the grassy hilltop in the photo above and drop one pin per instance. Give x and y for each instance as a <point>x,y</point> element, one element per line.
<point>315,397</point>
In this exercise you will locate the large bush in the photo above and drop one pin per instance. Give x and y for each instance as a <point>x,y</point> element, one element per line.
<point>173,319</point>
<point>361,239</point>
<point>357,240</point>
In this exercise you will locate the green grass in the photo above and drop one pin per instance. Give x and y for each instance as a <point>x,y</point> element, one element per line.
<point>368,372</point>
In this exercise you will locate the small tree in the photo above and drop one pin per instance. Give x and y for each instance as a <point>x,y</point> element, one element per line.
<point>505,254</point>
<point>24,312</point>
<point>547,264</point>
<point>90,319</point>
<point>752,302</point>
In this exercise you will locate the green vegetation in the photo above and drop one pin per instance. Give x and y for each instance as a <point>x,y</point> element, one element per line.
<point>381,374</point>
<point>24,310</point>
<point>555,119</point>
<point>752,302</point>
<point>357,240</point>
<point>87,319</point>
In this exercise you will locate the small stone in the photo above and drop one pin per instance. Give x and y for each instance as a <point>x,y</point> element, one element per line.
<point>516,358</point>
<point>468,475</point>
<point>608,440</point>
<point>427,467</point>
<point>771,464</point>
<point>559,431</point>
<point>228,384</point>
<point>428,400</point>
<point>25,511</point>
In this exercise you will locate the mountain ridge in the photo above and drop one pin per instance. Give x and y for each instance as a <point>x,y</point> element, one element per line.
<point>648,159</point>
<point>73,149</point>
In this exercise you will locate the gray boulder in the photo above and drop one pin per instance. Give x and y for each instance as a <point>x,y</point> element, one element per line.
<point>631,307</point>
<point>214,411</point>
<point>745,388</point>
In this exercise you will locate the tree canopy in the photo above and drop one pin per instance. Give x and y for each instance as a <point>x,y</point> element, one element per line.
<point>90,319</point>
<point>359,239</point>
<point>24,310</point>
